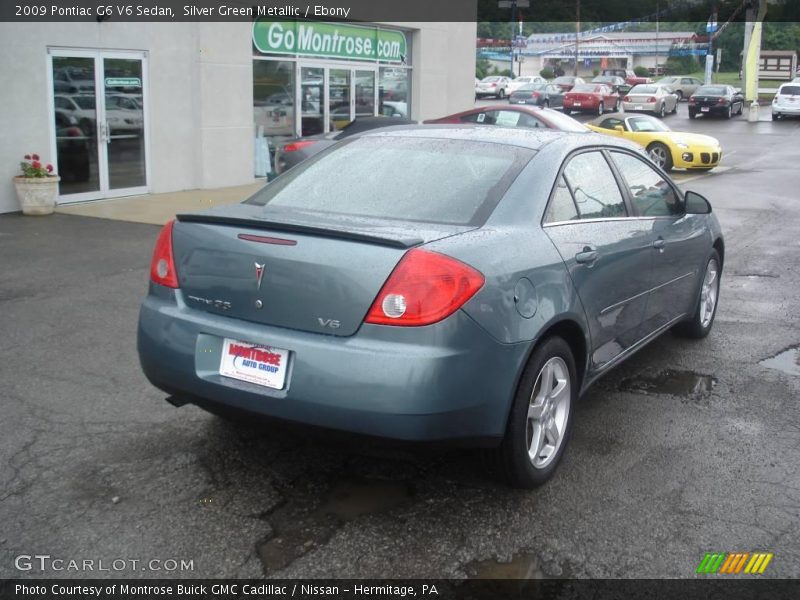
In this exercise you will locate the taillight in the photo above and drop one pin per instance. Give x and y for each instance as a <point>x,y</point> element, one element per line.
<point>494,85</point>
<point>651,99</point>
<point>534,94</point>
<point>626,99</point>
<point>691,100</point>
<point>162,267</point>
<point>424,288</point>
<point>295,146</point>
<point>721,101</point>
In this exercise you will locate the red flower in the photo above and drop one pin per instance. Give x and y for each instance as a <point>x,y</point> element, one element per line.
<point>36,164</point>
<point>35,157</point>
<point>27,157</point>
<point>49,168</point>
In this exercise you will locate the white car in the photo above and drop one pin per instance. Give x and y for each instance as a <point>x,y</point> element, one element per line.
<point>524,80</point>
<point>786,102</point>
<point>494,85</point>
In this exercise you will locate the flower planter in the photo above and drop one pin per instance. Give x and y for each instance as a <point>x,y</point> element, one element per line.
<point>37,195</point>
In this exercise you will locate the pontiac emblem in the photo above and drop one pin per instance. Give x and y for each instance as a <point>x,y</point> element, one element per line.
<point>259,274</point>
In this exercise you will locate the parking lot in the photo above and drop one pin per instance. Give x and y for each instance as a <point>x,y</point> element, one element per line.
<point>687,448</point>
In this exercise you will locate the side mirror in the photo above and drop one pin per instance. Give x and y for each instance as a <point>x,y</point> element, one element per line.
<point>696,204</point>
<point>619,128</point>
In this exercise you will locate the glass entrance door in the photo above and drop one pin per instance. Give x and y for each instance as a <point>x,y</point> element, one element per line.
<point>99,134</point>
<point>332,96</point>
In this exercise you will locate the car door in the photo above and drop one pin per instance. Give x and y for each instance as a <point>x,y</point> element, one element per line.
<point>607,252</point>
<point>679,242</point>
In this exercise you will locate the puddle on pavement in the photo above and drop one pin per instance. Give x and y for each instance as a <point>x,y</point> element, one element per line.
<point>787,361</point>
<point>523,565</point>
<point>672,382</point>
<point>298,531</point>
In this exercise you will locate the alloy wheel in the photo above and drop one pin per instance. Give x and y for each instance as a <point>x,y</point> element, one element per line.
<point>548,411</point>
<point>709,293</point>
<point>658,155</point>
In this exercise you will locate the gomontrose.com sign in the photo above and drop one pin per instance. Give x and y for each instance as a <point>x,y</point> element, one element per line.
<point>329,40</point>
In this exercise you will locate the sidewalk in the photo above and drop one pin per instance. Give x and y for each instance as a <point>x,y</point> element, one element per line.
<point>157,209</point>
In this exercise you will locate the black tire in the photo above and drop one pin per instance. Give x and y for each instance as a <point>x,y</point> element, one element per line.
<point>546,104</point>
<point>675,108</point>
<point>741,109</point>
<point>729,113</point>
<point>501,94</point>
<point>663,151</point>
<point>679,94</point>
<point>692,114</point>
<point>777,116</point>
<point>512,455</point>
<point>601,108</point>
<point>662,111</point>
<point>694,327</point>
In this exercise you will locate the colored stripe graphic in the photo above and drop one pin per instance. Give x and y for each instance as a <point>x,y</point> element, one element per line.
<point>731,563</point>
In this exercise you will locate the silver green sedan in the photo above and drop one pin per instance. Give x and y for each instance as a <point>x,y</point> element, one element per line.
<point>432,283</point>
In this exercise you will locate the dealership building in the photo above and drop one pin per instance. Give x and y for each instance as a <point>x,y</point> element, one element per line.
<point>131,108</point>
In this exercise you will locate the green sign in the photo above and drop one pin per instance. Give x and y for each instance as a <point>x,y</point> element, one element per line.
<point>329,40</point>
<point>123,82</point>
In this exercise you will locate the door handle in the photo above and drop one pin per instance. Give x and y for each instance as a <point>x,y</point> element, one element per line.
<point>659,244</point>
<point>587,256</point>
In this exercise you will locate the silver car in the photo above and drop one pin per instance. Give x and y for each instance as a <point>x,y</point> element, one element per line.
<point>494,85</point>
<point>682,86</point>
<point>651,98</point>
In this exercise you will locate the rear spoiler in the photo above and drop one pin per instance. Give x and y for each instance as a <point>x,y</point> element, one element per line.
<point>393,242</point>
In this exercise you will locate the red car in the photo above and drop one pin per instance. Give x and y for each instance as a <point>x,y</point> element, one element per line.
<point>590,97</point>
<point>516,115</point>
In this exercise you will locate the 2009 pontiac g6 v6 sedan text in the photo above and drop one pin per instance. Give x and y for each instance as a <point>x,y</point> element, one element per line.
<point>432,283</point>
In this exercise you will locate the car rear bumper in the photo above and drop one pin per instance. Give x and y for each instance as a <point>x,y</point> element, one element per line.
<point>716,109</point>
<point>640,106</point>
<point>446,381</point>
<point>786,110</point>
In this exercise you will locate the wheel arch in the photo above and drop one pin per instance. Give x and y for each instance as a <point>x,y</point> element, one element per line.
<point>719,246</point>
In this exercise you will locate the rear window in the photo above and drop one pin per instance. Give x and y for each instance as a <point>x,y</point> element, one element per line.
<point>711,91</point>
<point>581,87</point>
<point>644,89</point>
<point>532,87</point>
<point>790,90</point>
<point>456,182</point>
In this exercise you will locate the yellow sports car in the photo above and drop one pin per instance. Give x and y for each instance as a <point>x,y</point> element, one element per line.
<point>667,148</point>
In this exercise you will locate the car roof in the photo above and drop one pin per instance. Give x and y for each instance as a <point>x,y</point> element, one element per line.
<point>533,139</point>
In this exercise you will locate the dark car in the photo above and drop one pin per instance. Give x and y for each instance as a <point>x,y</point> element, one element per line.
<point>432,283</point>
<point>723,100</point>
<point>616,83</point>
<point>538,94</point>
<point>514,115</point>
<point>293,152</point>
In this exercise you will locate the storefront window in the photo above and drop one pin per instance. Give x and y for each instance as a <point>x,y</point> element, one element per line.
<point>273,109</point>
<point>393,92</point>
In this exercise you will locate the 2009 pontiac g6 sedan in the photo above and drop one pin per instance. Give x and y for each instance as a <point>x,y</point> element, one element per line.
<point>432,283</point>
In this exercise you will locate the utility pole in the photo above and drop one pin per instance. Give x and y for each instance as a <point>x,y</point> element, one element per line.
<point>577,34</point>
<point>711,27</point>
<point>658,18</point>
<point>513,19</point>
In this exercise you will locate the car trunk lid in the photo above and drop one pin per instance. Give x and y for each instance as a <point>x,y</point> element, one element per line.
<point>300,271</point>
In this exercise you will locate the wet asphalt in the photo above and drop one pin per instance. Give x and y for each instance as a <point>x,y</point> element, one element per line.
<point>687,448</point>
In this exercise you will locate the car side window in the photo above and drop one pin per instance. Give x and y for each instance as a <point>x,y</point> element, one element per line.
<point>562,206</point>
<point>652,195</point>
<point>594,187</point>
<point>529,121</point>
<point>484,118</point>
<point>611,122</point>
<point>685,81</point>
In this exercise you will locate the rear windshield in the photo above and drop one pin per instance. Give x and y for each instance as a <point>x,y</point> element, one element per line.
<point>644,89</point>
<point>790,90</point>
<point>448,181</point>
<point>586,87</point>
<point>711,90</point>
<point>532,87</point>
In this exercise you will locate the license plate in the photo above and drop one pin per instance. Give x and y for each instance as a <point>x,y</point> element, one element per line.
<point>254,363</point>
<point>637,107</point>
<point>704,109</point>
<point>576,104</point>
